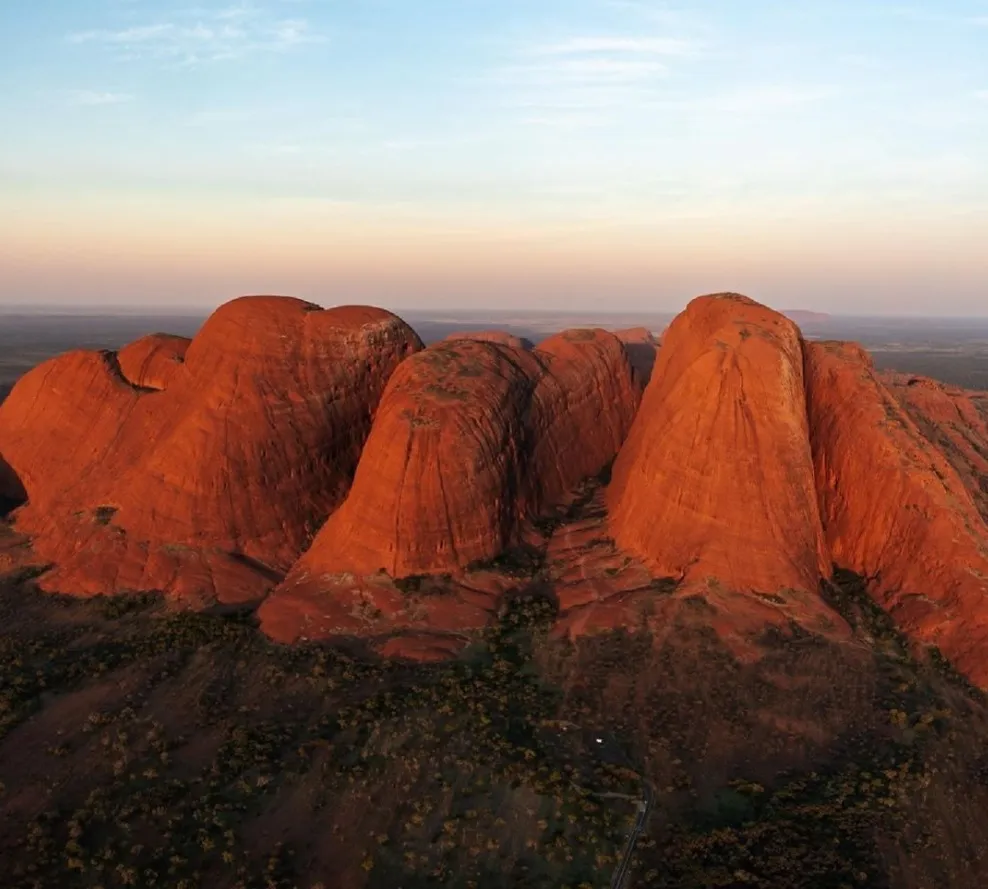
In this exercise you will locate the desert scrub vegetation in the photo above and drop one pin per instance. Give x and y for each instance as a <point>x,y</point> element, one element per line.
<point>818,766</point>
<point>145,748</point>
<point>141,747</point>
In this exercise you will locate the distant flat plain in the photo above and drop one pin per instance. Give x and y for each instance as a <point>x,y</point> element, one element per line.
<point>953,350</point>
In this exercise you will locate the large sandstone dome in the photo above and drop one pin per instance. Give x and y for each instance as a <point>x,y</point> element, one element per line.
<point>716,479</point>
<point>209,485</point>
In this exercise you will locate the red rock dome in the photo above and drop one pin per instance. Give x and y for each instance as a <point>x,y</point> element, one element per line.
<point>225,475</point>
<point>153,361</point>
<point>715,484</point>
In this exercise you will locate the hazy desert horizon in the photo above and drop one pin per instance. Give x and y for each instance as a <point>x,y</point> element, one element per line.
<point>953,350</point>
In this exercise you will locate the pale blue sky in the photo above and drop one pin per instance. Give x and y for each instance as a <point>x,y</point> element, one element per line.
<point>623,151</point>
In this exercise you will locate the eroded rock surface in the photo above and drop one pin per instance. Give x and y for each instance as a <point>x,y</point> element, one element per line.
<point>437,485</point>
<point>212,487</point>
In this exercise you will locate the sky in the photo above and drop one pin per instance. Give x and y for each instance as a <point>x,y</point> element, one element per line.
<point>551,154</point>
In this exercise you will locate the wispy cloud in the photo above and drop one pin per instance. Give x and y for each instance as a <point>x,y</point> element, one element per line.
<point>981,94</point>
<point>204,35</point>
<point>92,97</point>
<point>660,46</point>
<point>577,81</point>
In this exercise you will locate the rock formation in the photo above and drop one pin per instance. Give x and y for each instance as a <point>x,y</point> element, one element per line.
<point>715,484</point>
<point>435,487</point>
<point>586,403</point>
<point>382,490</point>
<point>212,486</point>
<point>895,510</point>
<point>472,441</point>
<point>152,362</point>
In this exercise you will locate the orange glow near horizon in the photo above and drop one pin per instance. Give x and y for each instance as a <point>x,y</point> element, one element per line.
<point>132,251</point>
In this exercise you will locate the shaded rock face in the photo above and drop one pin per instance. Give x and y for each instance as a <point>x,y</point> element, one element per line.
<point>894,509</point>
<point>586,403</point>
<point>715,484</point>
<point>212,486</point>
<point>152,362</point>
<point>12,493</point>
<point>473,441</point>
<point>443,479</point>
<point>642,347</point>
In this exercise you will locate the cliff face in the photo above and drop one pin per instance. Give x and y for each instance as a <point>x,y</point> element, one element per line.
<point>472,440</point>
<point>714,486</point>
<point>895,510</point>
<point>210,486</point>
<point>586,402</point>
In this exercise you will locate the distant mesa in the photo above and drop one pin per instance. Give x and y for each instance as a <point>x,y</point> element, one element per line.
<point>324,464</point>
<point>211,488</point>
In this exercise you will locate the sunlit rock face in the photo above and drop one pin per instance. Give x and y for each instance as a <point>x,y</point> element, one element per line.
<point>202,468</point>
